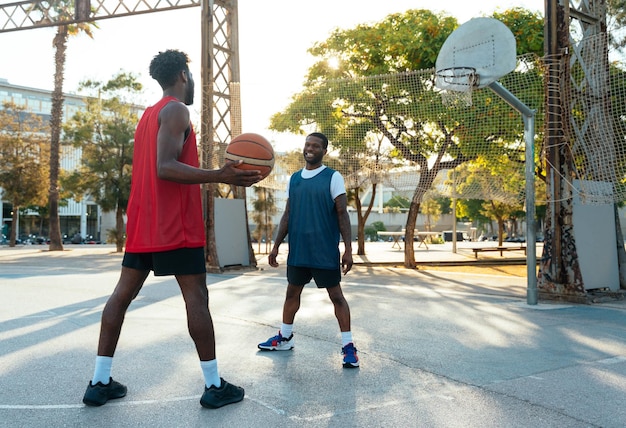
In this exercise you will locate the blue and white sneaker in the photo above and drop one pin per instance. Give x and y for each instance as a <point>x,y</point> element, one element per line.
<point>350,359</point>
<point>278,343</point>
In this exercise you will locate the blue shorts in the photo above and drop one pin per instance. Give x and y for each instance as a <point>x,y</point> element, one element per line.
<point>182,261</point>
<point>324,278</point>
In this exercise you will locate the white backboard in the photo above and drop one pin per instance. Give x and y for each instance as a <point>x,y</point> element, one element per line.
<point>485,45</point>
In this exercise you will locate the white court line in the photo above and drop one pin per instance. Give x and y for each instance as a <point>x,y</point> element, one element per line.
<point>380,405</point>
<point>267,406</point>
<point>80,406</point>
<point>117,403</point>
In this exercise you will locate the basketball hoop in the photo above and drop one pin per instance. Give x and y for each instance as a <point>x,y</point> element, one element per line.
<point>475,55</point>
<point>457,84</point>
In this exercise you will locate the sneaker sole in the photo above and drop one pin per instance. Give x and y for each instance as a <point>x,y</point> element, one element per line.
<point>217,406</point>
<point>350,366</point>
<point>269,348</point>
<point>97,401</point>
<point>91,403</point>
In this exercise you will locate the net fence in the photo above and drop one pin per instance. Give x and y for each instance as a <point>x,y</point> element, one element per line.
<point>394,130</point>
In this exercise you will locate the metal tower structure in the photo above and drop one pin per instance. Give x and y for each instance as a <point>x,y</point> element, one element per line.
<point>221,106</point>
<point>576,58</point>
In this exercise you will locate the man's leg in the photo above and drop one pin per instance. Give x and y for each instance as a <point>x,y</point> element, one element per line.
<point>102,387</point>
<point>217,392</point>
<point>292,303</point>
<point>342,310</point>
<point>127,288</point>
<point>199,321</point>
<point>284,340</point>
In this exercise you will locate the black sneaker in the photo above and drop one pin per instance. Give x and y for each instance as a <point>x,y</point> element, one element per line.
<point>99,394</point>
<point>215,397</point>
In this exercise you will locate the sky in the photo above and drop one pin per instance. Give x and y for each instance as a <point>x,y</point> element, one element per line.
<point>274,36</point>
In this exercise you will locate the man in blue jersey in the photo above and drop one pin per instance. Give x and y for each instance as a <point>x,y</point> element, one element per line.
<point>315,217</point>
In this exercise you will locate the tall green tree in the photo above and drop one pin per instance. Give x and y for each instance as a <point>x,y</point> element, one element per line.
<point>616,21</point>
<point>397,203</point>
<point>349,103</point>
<point>483,173</point>
<point>23,160</point>
<point>472,209</point>
<point>61,10</point>
<point>432,210</point>
<point>104,132</point>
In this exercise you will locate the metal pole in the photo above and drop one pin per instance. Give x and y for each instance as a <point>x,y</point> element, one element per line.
<point>454,199</point>
<point>531,232</point>
<point>528,115</point>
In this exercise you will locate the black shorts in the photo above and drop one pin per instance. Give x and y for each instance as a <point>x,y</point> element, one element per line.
<point>324,278</point>
<point>183,261</point>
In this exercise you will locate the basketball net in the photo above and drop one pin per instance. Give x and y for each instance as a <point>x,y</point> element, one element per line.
<point>458,84</point>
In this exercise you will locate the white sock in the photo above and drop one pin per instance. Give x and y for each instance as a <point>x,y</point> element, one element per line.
<point>211,376</point>
<point>286,330</point>
<point>346,337</point>
<point>102,372</point>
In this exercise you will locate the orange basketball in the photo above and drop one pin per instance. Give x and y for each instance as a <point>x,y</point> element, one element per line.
<point>254,150</point>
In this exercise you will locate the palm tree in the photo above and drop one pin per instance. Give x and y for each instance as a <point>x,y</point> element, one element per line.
<point>62,11</point>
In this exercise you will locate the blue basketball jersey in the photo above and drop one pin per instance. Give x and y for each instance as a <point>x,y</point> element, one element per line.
<point>313,225</point>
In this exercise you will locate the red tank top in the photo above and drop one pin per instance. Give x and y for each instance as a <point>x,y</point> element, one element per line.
<point>162,215</point>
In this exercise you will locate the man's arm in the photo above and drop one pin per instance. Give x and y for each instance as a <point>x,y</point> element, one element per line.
<point>283,228</point>
<point>341,207</point>
<point>174,121</point>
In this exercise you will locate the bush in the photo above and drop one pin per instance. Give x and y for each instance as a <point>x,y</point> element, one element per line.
<point>370,231</point>
<point>112,237</point>
<point>436,240</point>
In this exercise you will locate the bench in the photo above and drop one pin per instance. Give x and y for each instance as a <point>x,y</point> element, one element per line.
<point>396,236</point>
<point>500,249</point>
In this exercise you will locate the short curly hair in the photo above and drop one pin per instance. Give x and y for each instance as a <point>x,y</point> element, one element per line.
<point>165,66</point>
<point>321,137</point>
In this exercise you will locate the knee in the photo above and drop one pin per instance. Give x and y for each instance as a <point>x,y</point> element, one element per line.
<point>293,299</point>
<point>292,294</point>
<point>342,303</point>
<point>198,303</point>
<point>338,299</point>
<point>118,301</point>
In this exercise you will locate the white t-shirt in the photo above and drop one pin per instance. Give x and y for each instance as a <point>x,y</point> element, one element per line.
<point>337,184</point>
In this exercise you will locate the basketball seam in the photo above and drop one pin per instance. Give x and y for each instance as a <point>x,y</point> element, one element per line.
<point>249,161</point>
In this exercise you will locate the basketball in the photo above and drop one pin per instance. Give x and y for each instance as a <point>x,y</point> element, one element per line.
<point>254,150</point>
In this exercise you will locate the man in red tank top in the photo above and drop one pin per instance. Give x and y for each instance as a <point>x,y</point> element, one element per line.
<point>165,229</point>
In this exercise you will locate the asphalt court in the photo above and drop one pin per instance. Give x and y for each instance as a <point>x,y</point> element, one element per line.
<point>437,349</point>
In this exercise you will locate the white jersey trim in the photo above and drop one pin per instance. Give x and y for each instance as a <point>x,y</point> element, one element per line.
<point>337,183</point>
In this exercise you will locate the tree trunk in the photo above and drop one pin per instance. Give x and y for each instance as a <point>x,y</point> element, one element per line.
<point>60,41</point>
<point>559,269</point>
<point>362,219</point>
<point>411,220</point>
<point>360,236</point>
<point>425,182</point>
<point>360,224</point>
<point>119,229</point>
<point>13,234</point>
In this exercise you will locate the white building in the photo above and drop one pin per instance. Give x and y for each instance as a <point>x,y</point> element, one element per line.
<point>84,217</point>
